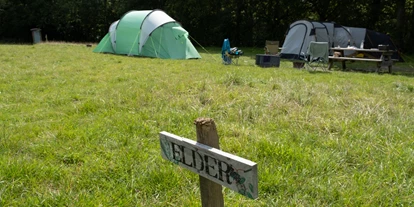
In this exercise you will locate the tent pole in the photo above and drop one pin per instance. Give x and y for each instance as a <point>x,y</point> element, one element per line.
<point>132,46</point>
<point>156,54</point>
<point>159,45</point>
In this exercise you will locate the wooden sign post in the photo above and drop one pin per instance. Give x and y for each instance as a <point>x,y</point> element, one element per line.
<point>211,194</point>
<point>215,167</point>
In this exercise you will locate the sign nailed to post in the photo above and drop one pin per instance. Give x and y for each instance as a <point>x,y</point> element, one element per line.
<point>229,170</point>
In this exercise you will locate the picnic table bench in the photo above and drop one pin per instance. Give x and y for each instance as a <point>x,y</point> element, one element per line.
<point>366,55</point>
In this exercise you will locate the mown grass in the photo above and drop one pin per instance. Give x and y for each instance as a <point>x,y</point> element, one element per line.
<point>81,129</point>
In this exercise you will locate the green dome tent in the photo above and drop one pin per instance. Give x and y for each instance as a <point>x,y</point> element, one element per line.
<point>149,33</point>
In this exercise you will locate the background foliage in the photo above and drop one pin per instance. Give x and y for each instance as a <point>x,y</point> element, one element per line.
<point>245,22</point>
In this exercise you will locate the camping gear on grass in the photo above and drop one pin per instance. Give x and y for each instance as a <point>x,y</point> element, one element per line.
<point>228,53</point>
<point>149,33</point>
<point>272,47</point>
<point>317,56</point>
<point>302,32</point>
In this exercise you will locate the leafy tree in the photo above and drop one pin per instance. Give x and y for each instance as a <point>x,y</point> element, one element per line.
<point>245,22</point>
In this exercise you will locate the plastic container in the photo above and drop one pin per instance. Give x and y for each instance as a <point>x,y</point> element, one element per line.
<point>36,35</point>
<point>267,60</point>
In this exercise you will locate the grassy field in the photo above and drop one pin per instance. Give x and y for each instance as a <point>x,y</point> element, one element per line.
<point>79,128</point>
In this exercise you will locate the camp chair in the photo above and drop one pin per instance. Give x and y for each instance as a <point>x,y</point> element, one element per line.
<point>228,54</point>
<point>272,47</point>
<point>317,56</point>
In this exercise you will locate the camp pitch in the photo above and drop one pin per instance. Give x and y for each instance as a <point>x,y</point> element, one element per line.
<point>223,168</point>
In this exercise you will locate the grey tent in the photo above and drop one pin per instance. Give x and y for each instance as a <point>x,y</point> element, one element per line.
<point>302,32</point>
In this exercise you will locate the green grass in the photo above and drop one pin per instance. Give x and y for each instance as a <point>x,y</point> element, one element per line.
<point>81,129</point>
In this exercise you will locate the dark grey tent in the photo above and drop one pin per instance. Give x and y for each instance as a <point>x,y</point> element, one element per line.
<point>301,32</point>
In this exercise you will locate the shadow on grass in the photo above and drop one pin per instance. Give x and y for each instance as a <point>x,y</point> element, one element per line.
<point>11,43</point>
<point>319,72</point>
<point>409,72</point>
<point>405,69</point>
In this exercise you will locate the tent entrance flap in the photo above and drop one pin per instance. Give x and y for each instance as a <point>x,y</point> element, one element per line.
<point>179,32</point>
<point>105,45</point>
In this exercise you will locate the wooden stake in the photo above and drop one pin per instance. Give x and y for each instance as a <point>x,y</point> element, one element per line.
<point>211,192</point>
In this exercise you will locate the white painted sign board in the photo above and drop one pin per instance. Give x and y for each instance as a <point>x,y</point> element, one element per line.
<point>229,170</point>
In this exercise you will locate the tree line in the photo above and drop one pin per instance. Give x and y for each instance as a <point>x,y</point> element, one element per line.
<point>244,22</point>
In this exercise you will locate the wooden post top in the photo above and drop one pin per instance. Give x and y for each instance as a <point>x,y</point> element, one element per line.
<point>207,132</point>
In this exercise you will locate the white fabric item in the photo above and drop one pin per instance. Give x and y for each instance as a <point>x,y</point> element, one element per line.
<point>150,23</point>
<point>112,33</point>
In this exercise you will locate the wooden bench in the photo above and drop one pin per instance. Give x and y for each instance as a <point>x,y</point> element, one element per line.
<point>383,61</point>
<point>368,55</point>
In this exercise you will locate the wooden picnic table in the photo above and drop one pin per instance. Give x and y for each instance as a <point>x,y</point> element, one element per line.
<point>358,54</point>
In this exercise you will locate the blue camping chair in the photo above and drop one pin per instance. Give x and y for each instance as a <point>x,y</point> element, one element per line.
<point>228,53</point>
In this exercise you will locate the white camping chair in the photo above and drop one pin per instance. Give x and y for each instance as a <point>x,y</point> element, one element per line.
<point>317,56</point>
